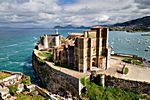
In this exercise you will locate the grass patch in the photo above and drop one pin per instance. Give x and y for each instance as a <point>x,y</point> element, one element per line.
<point>4,75</point>
<point>114,58</point>
<point>96,92</point>
<point>26,80</point>
<point>44,54</point>
<point>28,97</point>
<point>132,61</point>
<point>125,70</point>
<point>136,62</point>
<point>48,55</point>
<point>40,61</point>
<point>12,89</point>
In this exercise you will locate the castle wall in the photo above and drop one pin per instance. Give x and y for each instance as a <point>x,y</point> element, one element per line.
<point>134,86</point>
<point>60,55</point>
<point>56,80</point>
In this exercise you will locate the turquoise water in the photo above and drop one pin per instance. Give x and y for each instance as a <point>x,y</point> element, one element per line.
<point>130,43</point>
<point>16,46</point>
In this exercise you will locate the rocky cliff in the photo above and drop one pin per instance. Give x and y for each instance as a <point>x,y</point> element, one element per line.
<point>54,79</point>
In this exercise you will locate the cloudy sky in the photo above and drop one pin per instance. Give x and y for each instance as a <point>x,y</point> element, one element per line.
<point>49,13</point>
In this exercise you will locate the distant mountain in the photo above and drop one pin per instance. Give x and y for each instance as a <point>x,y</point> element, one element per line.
<point>144,21</point>
<point>71,27</point>
<point>58,27</point>
<point>136,25</point>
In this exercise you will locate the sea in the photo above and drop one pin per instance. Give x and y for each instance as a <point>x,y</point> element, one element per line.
<point>16,46</point>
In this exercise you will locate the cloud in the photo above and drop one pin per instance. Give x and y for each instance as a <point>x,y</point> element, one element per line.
<point>142,4</point>
<point>48,13</point>
<point>28,11</point>
<point>101,19</point>
<point>143,7</point>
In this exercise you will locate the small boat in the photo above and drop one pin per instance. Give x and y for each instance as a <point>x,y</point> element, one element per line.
<point>111,47</point>
<point>146,41</point>
<point>148,47</point>
<point>137,49</point>
<point>146,50</point>
<point>139,42</point>
<point>128,40</point>
<point>112,52</point>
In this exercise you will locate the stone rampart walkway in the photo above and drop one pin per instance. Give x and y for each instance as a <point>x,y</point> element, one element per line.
<point>136,73</point>
<point>62,69</point>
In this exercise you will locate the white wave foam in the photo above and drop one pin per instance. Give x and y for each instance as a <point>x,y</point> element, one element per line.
<point>22,63</point>
<point>25,64</point>
<point>9,46</point>
<point>12,53</point>
<point>4,58</point>
<point>16,51</point>
<point>29,64</point>
<point>35,38</point>
<point>19,63</point>
<point>11,62</point>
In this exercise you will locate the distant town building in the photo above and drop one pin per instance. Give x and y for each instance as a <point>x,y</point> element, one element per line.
<point>86,51</point>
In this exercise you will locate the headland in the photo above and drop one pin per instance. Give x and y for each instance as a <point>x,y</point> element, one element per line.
<point>61,64</point>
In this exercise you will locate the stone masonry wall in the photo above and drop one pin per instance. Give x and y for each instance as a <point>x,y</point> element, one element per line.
<point>134,86</point>
<point>54,80</point>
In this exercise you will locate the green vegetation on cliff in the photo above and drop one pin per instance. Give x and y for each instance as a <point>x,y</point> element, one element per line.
<point>4,75</point>
<point>48,55</point>
<point>40,61</point>
<point>26,80</point>
<point>12,89</point>
<point>28,97</point>
<point>95,92</point>
<point>44,54</point>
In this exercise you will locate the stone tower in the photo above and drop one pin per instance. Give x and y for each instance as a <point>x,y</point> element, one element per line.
<point>45,41</point>
<point>91,50</point>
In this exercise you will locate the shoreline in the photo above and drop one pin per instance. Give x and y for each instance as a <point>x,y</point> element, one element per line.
<point>146,62</point>
<point>131,55</point>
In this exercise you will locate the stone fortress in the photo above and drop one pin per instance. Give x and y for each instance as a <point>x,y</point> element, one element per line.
<point>88,54</point>
<point>86,51</point>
